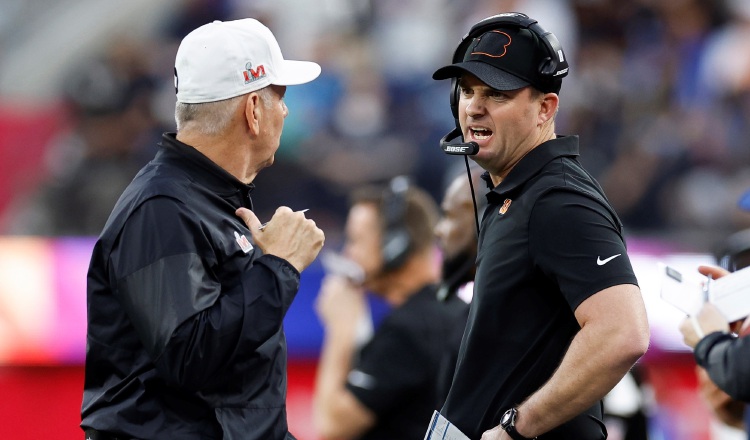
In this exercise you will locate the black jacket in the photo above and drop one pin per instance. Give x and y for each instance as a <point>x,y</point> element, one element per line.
<point>726,358</point>
<point>185,336</point>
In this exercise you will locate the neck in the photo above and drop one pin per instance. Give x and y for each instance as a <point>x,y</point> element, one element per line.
<point>545,135</point>
<point>419,270</point>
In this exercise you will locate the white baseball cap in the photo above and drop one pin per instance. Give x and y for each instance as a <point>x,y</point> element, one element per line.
<point>224,59</point>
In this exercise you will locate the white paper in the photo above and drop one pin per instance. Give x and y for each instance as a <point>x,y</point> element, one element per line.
<point>441,429</point>
<point>730,293</point>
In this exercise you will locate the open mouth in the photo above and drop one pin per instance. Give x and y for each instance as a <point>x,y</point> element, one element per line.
<point>480,133</point>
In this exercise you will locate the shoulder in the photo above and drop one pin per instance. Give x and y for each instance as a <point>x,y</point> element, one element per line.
<point>149,199</point>
<point>424,314</point>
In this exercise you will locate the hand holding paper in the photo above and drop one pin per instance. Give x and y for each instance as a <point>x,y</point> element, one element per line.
<point>729,292</point>
<point>708,320</point>
<point>442,429</point>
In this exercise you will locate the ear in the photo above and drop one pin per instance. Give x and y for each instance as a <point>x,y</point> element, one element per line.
<point>548,107</point>
<point>253,113</point>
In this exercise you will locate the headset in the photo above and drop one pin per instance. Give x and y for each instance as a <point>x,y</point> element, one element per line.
<point>552,68</point>
<point>396,244</point>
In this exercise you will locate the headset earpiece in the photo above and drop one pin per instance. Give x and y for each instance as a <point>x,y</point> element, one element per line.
<point>455,90</point>
<point>396,242</point>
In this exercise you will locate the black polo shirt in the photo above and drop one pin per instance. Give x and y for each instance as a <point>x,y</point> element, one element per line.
<point>549,240</point>
<point>397,374</point>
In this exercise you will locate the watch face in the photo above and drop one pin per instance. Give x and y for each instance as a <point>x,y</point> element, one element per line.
<point>505,420</point>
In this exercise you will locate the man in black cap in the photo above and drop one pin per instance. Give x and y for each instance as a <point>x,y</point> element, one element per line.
<point>557,318</point>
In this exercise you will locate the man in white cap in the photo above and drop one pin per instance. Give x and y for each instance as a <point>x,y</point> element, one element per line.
<point>187,291</point>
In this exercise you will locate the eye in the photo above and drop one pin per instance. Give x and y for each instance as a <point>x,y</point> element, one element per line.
<point>466,91</point>
<point>496,95</point>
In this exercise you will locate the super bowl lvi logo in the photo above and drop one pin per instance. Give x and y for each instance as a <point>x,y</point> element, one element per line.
<point>253,74</point>
<point>244,243</point>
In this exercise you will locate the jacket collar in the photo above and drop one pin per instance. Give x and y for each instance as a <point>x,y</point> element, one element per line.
<point>202,169</point>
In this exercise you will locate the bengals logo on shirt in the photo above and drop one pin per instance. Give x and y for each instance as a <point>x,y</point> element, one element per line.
<point>506,205</point>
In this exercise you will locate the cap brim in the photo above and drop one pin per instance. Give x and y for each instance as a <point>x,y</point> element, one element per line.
<point>492,76</point>
<point>297,72</point>
<point>744,201</point>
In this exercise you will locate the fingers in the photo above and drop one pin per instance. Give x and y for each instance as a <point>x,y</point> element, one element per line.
<point>688,333</point>
<point>715,272</point>
<point>288,235</point>
<point>249,218</point>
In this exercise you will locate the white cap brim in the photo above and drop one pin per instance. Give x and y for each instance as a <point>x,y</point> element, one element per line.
<point>297,72</point>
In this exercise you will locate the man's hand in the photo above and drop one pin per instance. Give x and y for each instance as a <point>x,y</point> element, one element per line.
<point>709,319</point>
<point>496,433</point>
<point>289,235</point>
<point>340,304</point>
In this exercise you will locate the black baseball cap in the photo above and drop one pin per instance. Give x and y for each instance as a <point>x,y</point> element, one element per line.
<point>506,58</point>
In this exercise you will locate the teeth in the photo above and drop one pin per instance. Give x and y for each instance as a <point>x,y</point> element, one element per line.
<point>481,133</point>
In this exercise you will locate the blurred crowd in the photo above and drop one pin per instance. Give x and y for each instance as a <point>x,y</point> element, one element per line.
<point>659,92</point>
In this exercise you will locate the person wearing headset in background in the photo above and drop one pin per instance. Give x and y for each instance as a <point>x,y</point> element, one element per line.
<point>557,318</point>
<point>186,291</point>
<point>722,349</point>
<point>457,238</point>
<point>388,389</point>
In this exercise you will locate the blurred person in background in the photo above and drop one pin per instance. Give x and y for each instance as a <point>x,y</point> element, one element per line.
<point>722,368</point>
<point>555,298</point>
<point>111,137</point>
<point>388,388</point>
<point>186,291</point>
<point>722,352</point>
<point>457,237</point>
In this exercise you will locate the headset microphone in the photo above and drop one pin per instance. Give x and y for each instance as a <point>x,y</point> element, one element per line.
<point>449,146</point>
<point>465,149</point>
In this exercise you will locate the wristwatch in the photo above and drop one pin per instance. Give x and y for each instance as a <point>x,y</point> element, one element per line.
<point>508,423</point>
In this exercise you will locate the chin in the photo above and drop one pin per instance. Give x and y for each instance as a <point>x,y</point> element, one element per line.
<point>267,163</point>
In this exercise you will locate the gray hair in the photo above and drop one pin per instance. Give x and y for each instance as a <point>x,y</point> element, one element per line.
<point>212,118</point>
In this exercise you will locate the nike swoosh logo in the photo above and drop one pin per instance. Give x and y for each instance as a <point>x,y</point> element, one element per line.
<point>601,262</point>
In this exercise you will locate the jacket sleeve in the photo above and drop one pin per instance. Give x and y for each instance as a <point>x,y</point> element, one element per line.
<point>194,321</point>
<point>726,358</point>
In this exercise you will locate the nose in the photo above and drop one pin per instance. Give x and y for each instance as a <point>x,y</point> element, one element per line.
<point>286,109</point>
<point>439,230</point>
<point>475,105</point>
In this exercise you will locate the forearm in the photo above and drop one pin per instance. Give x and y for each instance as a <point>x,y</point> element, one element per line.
<point>592,366</point>
<point>336,412</point>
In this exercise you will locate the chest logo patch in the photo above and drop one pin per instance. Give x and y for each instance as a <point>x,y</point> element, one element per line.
<point>244,243</point>
<point>504,208</point>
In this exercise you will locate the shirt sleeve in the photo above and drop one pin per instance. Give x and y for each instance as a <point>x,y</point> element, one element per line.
<point>726,358</point>
<point>191,322</point>
<point>381,385</point>
<point>576,241</point>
